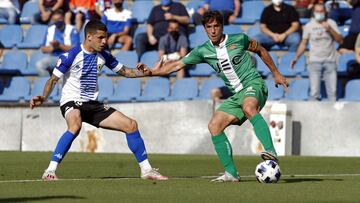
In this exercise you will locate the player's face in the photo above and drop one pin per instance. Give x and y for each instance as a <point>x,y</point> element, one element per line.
<point>214,31</point>
<point>98,40</point>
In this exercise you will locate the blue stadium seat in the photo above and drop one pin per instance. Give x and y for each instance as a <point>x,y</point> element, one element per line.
<point>126,90</point>
<point>29,10</point>
<point>352,90</point>
<point>344,62</point>
<point>12,34</point>
<point>3,20</point>
<point>303,21</point>
<point>195,4</point>
<point>141,10</point>
<point>150,58</point>
<point>140,29</point>
<point>275,93</point>
<point>298,90</point>
<point>344,30</point>
<point>15,90</point>
<point>232,29</point>
<point>34,58</point>
<point>106,88</point>
<point>339,90</point>
<point>38,88</point>
<point>208,85</point>
<point>156,89</point>
<point>128,58</point>
<point>254,30</point>
<point>285,68</point>
<point>35,37</point>
<point>198,37</point>
<point>14,62</point>
<point>184,89</point>
<point>201,70</point>
<point>250,12</point>
<point>261,66</point>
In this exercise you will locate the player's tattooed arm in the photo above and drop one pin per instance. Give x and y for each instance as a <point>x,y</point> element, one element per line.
<point>162,68</point>
<point>133,72</point>
<point>49,86</point>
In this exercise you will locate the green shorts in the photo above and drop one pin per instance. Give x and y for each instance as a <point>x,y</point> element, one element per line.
<point>233,105</point>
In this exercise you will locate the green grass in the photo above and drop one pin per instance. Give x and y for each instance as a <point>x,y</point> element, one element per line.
<point>114,178</point>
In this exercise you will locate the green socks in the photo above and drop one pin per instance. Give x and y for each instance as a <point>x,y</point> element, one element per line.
<point>224,152</point>
<point>263,133</point>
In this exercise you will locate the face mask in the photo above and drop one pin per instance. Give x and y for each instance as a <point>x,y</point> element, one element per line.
<point>319,17</point>
<point>60,25</point>
<point>175,35</point>
<point>277,2</point>
<point>118,5</point>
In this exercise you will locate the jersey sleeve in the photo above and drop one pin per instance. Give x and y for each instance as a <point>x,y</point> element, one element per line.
<point>245,40</point>
<point>63,65</point>
<point>194,57</point>
<point>111,62</point>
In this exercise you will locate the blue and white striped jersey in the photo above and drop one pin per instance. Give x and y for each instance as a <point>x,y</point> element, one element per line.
<point>80,69</point>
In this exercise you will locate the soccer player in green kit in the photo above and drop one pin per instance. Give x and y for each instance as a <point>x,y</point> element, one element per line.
<point>228,55</point>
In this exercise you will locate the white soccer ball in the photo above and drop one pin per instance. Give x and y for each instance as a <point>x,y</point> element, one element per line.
<point>268,172</point>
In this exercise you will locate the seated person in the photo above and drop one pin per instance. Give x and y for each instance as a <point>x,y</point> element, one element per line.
<point>101,6</point>
<point>47,7</point>
<point>60,38</point>
<point>349,41</point>
<point>173,45</point>
<point>354,67</point>
<point>82,9</point>
<point>117,20</point>
<point>279,24</point>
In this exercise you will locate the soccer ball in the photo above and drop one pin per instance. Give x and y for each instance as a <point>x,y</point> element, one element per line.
<point>268,172</point>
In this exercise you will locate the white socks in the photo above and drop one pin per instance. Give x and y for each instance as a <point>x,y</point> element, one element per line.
<point>52,166</point>
<point>145,166</point>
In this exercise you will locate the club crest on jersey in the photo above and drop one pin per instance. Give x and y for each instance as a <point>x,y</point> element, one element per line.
<point>58,62</point>
<point>100,66</point>
<point>232,47</point>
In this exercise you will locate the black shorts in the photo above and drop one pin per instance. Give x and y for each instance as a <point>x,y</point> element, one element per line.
<point>92,112</point>
<point>225,92</point>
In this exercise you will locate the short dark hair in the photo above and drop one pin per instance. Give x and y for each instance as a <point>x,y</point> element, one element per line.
<point>212,15</point>
<point>94,25</point>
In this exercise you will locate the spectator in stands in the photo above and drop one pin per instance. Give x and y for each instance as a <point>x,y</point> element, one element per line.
<point>338,14</point>
<point>279,24</point>
<point>220,93</point>
<point>173,45</point>
<point>1,49</point>
<point>354,66</point>
<point>101,6</point>
<point>322,33</point>
<point>304,7</point>
<point>229,9</point>
<point>118,22</point>
<point>60,38</point>
<point>349,41</point>
<point>9,9</point>
<point>157,24</point>
<point>47,7</point>
<point>82,9</point>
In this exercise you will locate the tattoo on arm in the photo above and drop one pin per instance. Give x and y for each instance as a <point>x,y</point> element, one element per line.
<point>132,72</point>
<point>253,46</point>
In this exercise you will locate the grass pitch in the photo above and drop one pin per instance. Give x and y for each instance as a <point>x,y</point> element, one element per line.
<point>115,178</point>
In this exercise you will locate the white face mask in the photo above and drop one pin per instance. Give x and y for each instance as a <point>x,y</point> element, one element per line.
<point>277,2</point>
<point>319,17</point>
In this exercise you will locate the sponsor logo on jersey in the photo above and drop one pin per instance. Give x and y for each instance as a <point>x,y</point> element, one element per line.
<point>58,62</point>
<point>236,60</point>
<point>78,103</point>
<point>250,90</point>
<point>106,107</point>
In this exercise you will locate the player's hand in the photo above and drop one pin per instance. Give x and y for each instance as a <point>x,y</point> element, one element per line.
<point>281,80</point>
<point>36,101</point>
<point>292,63</point>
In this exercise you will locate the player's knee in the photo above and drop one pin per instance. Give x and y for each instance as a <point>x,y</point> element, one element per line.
<point>214,127</point>
<point>250,111</point>
<point>75,128</point>
<point>133,126</point>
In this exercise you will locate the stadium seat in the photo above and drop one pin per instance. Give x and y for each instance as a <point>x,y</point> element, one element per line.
<point>15,90</point>
<point>14,62</point>
<point>128,58</point>
<point>198,37</point>
<point>250,12</point>
<point>261,66</point>
<point>208,85</point>
<point>3,20</point>
<point>31,68</point>
<point>195,4</point>
<point>285,68</point>
<point>139,29</point>
<point>38,88</point>
<point>126,90</point>
<point>275,93</point>
<point>344,62</point>
<point>298,90</point>
<point>201,70</point>
<point>141,10</point>
<point>29,10</point>
<point>339,90</point>
<point>34,38</point>
<point>150,58</point>
<point>12,34</point>
<point>232,29</point>
<point>254,30</point>
<point>184,89</point>
<point>106,88</point>
<point>156,89</point>
<point>344,30</point>
<point>352,90</point>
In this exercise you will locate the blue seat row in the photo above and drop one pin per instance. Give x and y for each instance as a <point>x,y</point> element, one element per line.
<point>13,34</point>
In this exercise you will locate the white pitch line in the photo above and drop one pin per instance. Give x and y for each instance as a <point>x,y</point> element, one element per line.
<point>181,178</point>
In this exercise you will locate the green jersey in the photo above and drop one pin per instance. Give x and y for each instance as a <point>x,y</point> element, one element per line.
<point>230,60</point>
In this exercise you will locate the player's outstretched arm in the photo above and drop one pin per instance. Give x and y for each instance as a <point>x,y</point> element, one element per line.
<point>266,58</point>
<point>49,86</point>
<point>162,68</point>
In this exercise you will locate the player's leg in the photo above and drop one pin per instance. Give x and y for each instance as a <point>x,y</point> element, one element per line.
<point>217,124</point>
<point>126,42</point>
<point>254,100</point>
<point>73,120</point>
<point>120,122</point>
